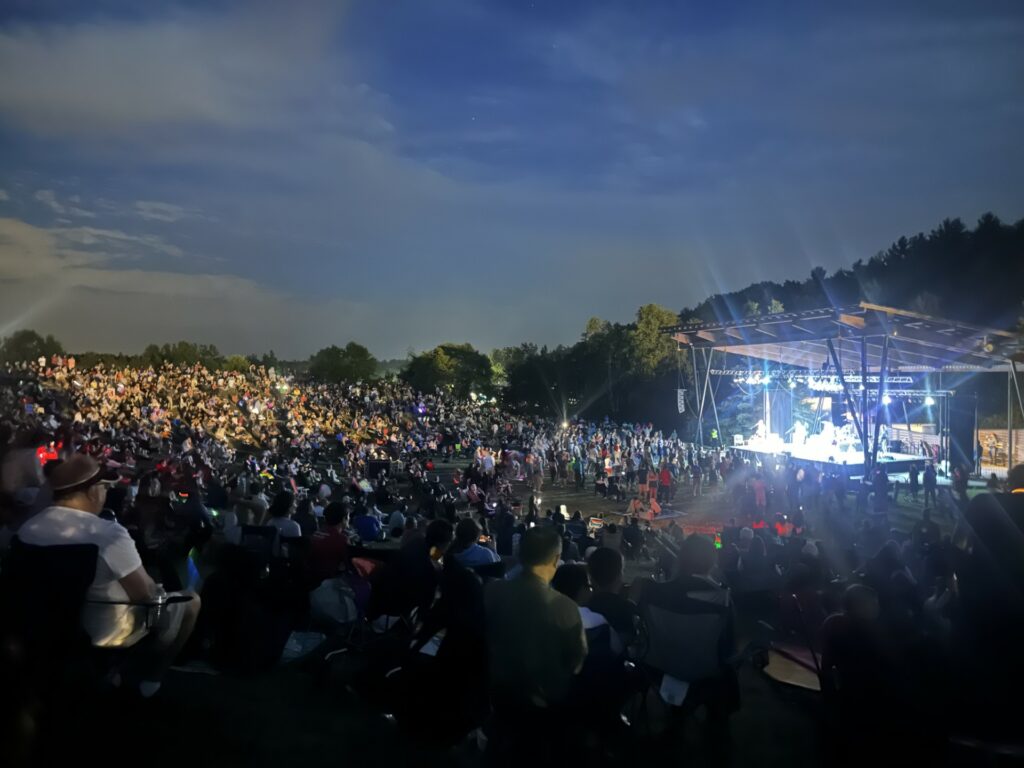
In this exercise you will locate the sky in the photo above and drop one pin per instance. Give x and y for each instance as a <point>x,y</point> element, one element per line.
<point>268,175</point>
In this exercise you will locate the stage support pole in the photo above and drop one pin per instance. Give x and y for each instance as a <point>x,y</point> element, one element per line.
<point>1016,385</point>
<point>1009,416</point>
<point>846,389</point>
<point>711,393</point>
<point>700,399</point>
<point>817,414</point>
<point>879,405</point>
<point>864,401</point>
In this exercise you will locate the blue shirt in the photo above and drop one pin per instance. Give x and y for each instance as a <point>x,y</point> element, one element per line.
<point>475,555</point>
<point>368,527</point>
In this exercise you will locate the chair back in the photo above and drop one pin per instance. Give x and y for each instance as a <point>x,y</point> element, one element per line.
<point>684,641</point>
<point>295,548</point>
<point>490,570</point>
<point>42,592</point>
<point>258,540</point>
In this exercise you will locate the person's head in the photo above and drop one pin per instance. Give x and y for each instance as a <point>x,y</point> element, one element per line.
<point>605,566</point>
<point>696,556</point>
<point>861,602</point>
<point>283,504</point>
<point>79,483</point>
<point>539,551</point>
<point>336,515</point>
<point>577,516</point>
<point>572,581</point>
<point>438,538</point>
<point>1015,479</point>
<point>466,533</point>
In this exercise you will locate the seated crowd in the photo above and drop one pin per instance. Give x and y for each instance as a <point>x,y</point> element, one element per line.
<point>225,512</point>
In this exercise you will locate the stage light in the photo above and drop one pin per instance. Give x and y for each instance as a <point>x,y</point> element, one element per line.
<point>929,400</point>
<point>886,400</point>
<point>792,385</point>
<point>565,425</point>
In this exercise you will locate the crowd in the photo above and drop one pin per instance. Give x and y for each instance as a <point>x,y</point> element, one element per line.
<point>232,513</point>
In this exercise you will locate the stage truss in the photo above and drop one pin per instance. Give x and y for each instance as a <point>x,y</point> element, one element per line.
<point>868,352</point>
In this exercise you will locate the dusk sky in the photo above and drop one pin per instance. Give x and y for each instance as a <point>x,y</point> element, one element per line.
<point>288,175</point>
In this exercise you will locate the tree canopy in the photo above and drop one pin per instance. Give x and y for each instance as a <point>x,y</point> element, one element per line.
<point>351,363</point>
<point>25,345</point>
<point>457,368</point>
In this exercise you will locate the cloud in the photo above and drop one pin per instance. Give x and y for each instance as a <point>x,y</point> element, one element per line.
<point>4,197</point>
<point>90,303</point>
<point>113,76</point>
<point>155,211</point>
<point>113,242</point>
<point>49,198</point>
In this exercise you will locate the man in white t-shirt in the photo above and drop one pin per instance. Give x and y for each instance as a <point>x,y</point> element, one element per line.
<point>79,488</point>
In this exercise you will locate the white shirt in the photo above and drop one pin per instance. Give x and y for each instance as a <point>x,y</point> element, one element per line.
<point>106,624</point>
<point>286,526</point>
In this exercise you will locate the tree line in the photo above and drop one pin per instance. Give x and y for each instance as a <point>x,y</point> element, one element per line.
<point>629,371</point>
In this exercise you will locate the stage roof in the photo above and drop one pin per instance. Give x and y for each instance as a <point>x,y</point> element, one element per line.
<point>917,343</point>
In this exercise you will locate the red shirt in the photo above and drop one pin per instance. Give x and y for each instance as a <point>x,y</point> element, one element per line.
<point>666,477</point>
<point>328,551</point>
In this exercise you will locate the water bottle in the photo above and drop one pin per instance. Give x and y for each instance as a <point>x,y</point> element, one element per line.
<point>159,600</point>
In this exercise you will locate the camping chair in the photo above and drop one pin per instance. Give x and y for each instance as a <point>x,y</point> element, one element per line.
<point>789,656</point>
<point>42,592</point>
<point>686,642</point>
<point>490,571</point>
<point>259,540</point>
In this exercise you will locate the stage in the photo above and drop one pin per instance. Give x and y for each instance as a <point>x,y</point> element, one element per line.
<point>829,458</point>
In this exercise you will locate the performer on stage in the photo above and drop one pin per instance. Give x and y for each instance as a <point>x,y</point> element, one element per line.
<point>760,430</point>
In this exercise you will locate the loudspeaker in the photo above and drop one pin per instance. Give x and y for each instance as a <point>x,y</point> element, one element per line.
<point>838,412</point>
<point>895,446</point>
<point>963,416</point>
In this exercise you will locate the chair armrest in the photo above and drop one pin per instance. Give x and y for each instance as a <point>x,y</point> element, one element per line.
<point>171,600</point>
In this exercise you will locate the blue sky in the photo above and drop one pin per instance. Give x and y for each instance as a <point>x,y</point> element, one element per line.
<point>290,175</point>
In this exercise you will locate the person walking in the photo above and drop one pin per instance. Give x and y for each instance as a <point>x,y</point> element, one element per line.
<point>931,482</point>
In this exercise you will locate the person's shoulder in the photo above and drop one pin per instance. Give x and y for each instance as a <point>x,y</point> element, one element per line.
<point>564,610</point>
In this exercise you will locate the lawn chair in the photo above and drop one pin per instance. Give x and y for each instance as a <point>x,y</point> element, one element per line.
<point>48,665</point>
<point>259,540</point>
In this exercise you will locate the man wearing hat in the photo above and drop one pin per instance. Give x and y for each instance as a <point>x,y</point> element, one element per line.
<point>79,487</point>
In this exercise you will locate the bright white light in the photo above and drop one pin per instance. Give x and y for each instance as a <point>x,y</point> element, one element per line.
<point>886,400</point>
<point>565,425</point>
<point>929,400</point>
<point>792,385</point>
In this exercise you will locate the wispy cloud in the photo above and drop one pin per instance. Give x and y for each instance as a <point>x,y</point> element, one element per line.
<point>175,69</point>
<point>49,198</point>
<point>155,211</point>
